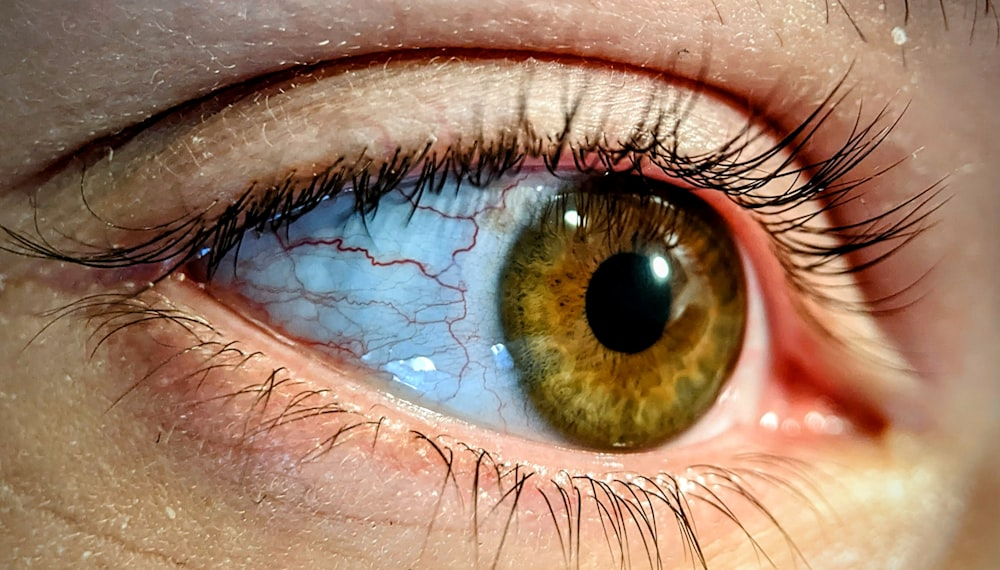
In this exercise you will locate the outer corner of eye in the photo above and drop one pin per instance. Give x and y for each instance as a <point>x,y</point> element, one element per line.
<point>587,311</point>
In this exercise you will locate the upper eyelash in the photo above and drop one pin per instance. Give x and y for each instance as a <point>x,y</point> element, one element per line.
<point>725,170</point>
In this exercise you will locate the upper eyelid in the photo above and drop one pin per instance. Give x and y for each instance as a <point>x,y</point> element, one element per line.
<point>218,99</point>
<point>919,13</point>
<point>177,125</point>
<point>650,97</point>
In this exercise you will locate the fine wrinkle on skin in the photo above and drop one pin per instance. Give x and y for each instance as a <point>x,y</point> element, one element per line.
<point>67,532</point>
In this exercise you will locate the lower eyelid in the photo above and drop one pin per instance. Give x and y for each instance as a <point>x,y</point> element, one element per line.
<point>284,400</point>
<point>290,436</point>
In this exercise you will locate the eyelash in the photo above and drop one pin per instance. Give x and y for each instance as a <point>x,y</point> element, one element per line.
<point>624,505</point>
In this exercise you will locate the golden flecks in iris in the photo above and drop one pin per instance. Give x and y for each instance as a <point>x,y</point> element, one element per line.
<point>601,397</point>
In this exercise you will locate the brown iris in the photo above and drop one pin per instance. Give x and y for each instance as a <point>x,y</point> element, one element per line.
<point>623,307</point>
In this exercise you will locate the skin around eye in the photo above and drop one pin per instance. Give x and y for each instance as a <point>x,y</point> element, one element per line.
<point>171,486</point>
<point>243,393</point>
<point>246,393</point>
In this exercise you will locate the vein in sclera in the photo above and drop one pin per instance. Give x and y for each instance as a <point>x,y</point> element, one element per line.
<point>408,293</point>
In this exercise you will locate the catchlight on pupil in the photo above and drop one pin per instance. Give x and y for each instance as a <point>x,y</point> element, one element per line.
<point>623,307</point>
<point>627,303</point>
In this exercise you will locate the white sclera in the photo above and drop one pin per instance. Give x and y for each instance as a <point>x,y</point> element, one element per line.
<point>410,292</point>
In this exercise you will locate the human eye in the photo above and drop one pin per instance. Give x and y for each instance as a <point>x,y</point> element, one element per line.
<point>465,299</point>
<point>211,294</point>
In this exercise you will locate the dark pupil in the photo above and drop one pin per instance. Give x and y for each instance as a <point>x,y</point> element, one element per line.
<point>628,305</point>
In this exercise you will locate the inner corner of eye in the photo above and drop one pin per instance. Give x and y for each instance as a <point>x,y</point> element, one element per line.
<point>600,311</point>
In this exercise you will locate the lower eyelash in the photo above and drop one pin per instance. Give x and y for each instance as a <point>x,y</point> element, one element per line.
<point>629,506</point>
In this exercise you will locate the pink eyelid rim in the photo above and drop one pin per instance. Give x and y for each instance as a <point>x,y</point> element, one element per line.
<point>802,355</point>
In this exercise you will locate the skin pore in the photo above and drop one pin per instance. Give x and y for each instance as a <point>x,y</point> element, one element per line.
<point>111,458</point>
